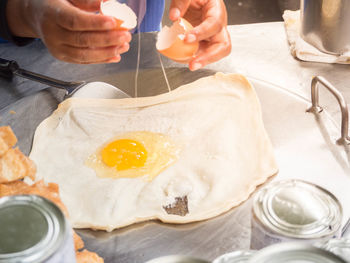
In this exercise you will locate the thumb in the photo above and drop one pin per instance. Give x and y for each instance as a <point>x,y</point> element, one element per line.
<point>87,5</point>
<point>178,8</point>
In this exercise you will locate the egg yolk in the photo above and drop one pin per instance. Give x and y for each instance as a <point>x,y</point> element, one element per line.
<point>124,154</point>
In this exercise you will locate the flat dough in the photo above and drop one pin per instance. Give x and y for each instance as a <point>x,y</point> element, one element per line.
<point>225,153</point>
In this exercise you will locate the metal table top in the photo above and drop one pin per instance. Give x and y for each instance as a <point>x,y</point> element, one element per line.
<point>259,51</point>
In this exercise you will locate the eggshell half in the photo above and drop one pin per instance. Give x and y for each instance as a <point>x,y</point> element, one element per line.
<point>124,15</point>
<point>171,44</point>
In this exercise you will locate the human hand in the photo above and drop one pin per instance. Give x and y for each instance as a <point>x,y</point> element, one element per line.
<point>70,32</point>
<point>209,19</point>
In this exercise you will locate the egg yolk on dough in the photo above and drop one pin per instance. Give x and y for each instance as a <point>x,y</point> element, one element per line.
<point>134,154</point>
<point>124,154</point>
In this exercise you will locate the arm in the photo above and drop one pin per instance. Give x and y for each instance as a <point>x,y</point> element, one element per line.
<point>70,33</point>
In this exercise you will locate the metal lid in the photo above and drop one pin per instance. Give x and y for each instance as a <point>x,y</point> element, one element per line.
<point>340,247</point>
<point>240,256</point>
<point>177,259</point>
<point>31,228</point>
<point>294,252</point>
<point>298,209</point>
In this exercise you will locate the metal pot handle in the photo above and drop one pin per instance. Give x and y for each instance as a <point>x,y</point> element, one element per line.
<point>316,108</point>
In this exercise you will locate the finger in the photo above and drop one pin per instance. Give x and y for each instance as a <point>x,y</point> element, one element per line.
<point>75,19</point>
<point>212,51</point>
<point>88,5</point>
<point>88,55</point>
<point>95,38</point>
<point>210,27</point>
<point>178,8</point>
<point>214,20</point>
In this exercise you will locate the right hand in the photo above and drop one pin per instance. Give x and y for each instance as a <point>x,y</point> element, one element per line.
<point>70,30</point>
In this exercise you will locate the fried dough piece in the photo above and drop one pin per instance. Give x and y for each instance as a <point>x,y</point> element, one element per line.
<point>15,165</point>
<point>7,139</point>
<point>86,256</point>
<point>78,242</point>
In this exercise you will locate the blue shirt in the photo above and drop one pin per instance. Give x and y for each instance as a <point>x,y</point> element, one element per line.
<point>151,21</point>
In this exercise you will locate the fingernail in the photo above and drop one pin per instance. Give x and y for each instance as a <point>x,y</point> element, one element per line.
<point>196,66</point>
<point>190,38</point>
<point>174,13</point>
<point>111,24</point>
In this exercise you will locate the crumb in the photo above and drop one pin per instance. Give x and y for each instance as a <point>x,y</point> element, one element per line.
<point>78,242</point>
<point>12,112</point>
<point>86,256</point>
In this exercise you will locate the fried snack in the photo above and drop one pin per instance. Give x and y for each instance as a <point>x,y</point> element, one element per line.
<point>14,164</point>
<point>78,242</point>
<point>86,256</point>
<point>7,139</point>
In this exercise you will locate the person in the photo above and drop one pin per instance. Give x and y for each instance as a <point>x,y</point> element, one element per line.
<point>74,31</point>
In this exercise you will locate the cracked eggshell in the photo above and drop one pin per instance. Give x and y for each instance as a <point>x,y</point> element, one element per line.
<point>124,15</point>
<point>170,42</point>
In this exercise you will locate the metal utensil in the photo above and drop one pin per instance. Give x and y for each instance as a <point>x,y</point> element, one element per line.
<point>325,24</point>
<point>10,68</point>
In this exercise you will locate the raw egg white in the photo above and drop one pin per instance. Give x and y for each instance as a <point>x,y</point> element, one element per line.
<point>125,17</point>
<point>134,154</point>
<point>171,44</point>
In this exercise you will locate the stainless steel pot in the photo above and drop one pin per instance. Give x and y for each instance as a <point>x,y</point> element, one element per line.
<point>325,24</point>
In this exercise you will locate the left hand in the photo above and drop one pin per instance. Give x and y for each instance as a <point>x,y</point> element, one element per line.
<point>209,18</point>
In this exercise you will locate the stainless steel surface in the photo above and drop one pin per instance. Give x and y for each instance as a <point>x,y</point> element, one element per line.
<point>33,229</point>
<point>177,259</point>
<point>305,144</point>
<point>293,252</point>
<point>340,247</point>
<point>315,108</point>
<point>325,24</point>
<point>86,90</point>
<point>240,256</point>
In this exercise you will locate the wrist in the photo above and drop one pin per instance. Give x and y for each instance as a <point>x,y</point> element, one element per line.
<point>18,14</point>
